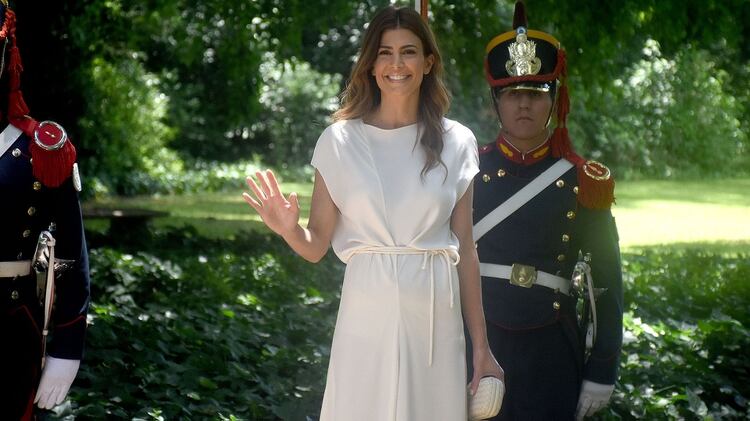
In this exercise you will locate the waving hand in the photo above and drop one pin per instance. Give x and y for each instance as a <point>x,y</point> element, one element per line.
<point>280,214</point>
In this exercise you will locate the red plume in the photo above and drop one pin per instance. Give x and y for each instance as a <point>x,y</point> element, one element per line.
<point>519,16</point>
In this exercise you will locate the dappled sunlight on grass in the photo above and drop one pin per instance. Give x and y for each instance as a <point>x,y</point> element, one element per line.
<point>214,215</point>
<point>647,212</point>
<point>666,221</point>
<point>724,192</point>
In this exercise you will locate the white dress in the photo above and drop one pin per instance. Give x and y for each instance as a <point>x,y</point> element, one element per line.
<point>398,350</point>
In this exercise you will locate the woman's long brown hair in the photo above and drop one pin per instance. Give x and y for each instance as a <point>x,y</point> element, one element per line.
<point>362,95</point>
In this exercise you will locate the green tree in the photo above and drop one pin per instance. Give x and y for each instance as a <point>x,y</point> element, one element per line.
<point>207,59</point>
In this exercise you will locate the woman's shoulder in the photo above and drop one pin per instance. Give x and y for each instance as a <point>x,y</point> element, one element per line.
<point>458,134</point>
<point>342,130</point>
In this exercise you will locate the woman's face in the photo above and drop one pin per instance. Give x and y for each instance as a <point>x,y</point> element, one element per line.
<point>524,113</point>
<point>400,64</point>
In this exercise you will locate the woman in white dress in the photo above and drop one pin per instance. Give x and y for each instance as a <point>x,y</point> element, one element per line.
<point>393,196</point>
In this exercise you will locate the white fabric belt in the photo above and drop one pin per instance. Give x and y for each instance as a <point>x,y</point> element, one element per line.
<point>542,278</point>
<point>14,269</point>
<point>450,257</point>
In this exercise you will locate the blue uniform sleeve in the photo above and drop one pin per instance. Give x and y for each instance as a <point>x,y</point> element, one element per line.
<point>598,236</point>
<point>72,291</point>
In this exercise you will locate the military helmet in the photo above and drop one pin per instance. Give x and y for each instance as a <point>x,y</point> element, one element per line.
<point>524,58</point>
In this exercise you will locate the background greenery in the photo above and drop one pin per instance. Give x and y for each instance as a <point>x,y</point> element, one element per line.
<point>206,316</point>
<point>209,317</point>
<point>151,89</point>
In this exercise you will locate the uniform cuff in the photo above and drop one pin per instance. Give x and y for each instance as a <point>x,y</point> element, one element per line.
<point>68,340</point>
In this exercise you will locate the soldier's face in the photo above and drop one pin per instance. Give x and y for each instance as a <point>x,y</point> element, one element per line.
<point>524,113</point>
<point>401,64</point>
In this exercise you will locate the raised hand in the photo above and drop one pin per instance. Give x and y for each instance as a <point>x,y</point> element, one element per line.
<point>278,213</point>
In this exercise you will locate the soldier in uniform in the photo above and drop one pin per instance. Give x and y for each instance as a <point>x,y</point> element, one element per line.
<point>537,207</point>
<point>44,276</point>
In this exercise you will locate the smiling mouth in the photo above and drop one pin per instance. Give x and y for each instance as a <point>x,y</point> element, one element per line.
<point>397,78</point>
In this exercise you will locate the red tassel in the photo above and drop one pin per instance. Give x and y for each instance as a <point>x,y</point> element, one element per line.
<point>595,194</point>
<point>52,168</point>
<point>17,107</point>
<point>15,66</point>
<point>560,144</point>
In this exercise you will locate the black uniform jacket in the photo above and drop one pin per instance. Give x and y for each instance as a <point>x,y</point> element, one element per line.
<point>547,233</point>
<point>28,208</point>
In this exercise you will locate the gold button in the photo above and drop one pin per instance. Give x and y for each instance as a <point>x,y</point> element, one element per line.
<point>16,152</point>
<point>575,189</point>
<point>37,186</point>
<point>560,257</point>
<point>486,178</point>
<point>31,211</point>
<point>501,172</point>
<point>26,233</point>
<point>14,294</point>
<point>565,238</point>
<point>570,215</point>
<point>560,183</point>
<point>556,305</point>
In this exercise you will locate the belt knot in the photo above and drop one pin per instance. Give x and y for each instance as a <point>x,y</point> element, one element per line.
<point>450,257</point>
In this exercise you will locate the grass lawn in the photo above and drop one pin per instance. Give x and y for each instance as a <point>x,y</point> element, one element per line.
<point>712,214</point>
<point>696,213</point>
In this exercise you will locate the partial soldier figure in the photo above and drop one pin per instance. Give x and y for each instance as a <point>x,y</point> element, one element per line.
<point>538,207</point>
<point>44,275</point>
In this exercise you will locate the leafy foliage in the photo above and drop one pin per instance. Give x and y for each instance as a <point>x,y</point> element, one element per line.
<point>187,327</point>
<point>685,119</point>
<point>206,329</point>
<point>297,102</point>
<point>687,330</point>
<point>236,79</point>
<point>123,128</point>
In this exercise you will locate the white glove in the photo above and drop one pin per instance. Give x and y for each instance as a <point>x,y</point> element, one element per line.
<point>57,377</point>
<point>593,397</point>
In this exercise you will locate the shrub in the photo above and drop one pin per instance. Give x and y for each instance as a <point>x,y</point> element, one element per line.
<point>667,117</point>
<point>123,132</point>
<point>686,336</point>
<point>183,327</point>
<point>191,328</point>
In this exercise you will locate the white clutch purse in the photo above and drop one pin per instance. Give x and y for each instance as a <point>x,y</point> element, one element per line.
<point>488,399</point>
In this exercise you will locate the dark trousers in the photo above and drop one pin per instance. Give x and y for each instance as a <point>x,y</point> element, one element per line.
<point>542,376</point>
<point>21,350</point>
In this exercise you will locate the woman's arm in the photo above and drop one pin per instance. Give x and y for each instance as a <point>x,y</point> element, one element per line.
<point>282,215</point>
<point>471,292</point>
